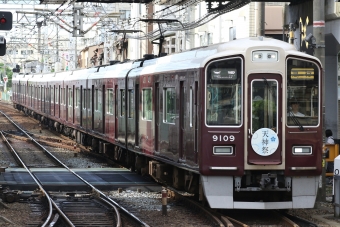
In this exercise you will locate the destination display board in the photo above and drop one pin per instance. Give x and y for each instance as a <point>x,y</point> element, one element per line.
<point>302,74</point>
<point>223,74</point>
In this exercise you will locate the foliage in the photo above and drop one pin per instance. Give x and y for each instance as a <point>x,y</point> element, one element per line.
<point>8,72</point>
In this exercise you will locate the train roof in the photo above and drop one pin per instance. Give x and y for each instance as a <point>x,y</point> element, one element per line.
<point>198,58</point>
<point>120,70</point>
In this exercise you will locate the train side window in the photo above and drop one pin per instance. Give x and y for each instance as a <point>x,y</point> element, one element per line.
<point>122,102</point>
<point>96,99</point>
<point>147,104</point>
<point>88,99</point>
<point>57,94</point>
<point>77,97</point>
<point>109,101</point>
<point>43,93</point>
<point>169,105</point>
<point>131,106</point>
<point>70,97</point>
<point>190,106</point>
<point>52,94</point>
<point>61,96</point>
<point>100,100</point>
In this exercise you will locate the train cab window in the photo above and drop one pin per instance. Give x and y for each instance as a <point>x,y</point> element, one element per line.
<point>169,105</point>
<point>147,104</point>
<point>109,101</point>
<point>131,106</point>
<point>223,92</point>
<point>303,96</point>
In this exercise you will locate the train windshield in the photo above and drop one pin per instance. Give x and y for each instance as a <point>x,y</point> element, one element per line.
<point>223,92</point>
<point>302,93</point>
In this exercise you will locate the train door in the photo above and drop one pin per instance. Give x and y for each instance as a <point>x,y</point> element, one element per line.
<point>181,133</point>
<point>137,102</point>
<point>157,109</point>
<point>81,103</point>
<point>109,118</point>
<point>89,108</point>
<point>116,111</point>
<point>169,118</point>
<point>264,119</point>
<point>84,110</point>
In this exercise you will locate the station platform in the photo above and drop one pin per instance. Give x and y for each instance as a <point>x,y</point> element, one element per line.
<point>62,179</point>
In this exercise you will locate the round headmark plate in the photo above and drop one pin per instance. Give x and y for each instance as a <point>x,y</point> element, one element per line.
<point>264,142</point>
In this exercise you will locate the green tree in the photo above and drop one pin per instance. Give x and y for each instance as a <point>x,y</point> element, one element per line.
<point>6,71</point>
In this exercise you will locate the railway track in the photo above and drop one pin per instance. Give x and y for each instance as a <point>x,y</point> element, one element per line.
<point>58,208</point>
<point>243,218</point>
<point>79,201</point>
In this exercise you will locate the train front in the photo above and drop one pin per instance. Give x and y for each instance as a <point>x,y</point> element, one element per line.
<point>261,128</point>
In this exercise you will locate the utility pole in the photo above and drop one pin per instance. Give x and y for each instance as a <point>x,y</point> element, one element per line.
<point>40,50</point>
<point>259,18</point>
<point>319,52</point>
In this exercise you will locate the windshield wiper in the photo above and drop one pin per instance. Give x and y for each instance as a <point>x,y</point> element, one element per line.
<point>295,120</point>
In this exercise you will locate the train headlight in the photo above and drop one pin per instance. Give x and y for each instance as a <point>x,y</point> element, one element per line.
<point>225,150</point>
<point>265,56</point>
<point>302,150</point>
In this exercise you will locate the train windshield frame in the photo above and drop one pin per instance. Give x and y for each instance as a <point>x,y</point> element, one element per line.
<point>303,93</point>
<point>224,92</point>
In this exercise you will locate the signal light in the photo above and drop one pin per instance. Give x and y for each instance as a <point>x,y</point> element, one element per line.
<point>6,20</point>
<point>2,46</point>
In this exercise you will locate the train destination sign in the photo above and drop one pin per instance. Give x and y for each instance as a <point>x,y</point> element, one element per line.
<point>302,74</point>
<point>223,74</point>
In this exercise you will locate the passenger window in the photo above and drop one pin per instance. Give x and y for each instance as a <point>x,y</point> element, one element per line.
<point>77,97</point>
<point>147,104</point>
<point>169,105</point>
<point>122,102</point>
<point>131,106</point>
<point>70,97</point>
<point>109,101</point>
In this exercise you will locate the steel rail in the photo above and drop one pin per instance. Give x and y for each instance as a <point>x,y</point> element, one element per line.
<point>107,199</point>
<point>50,200</point>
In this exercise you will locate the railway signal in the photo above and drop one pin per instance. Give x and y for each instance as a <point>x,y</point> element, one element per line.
<point>2,46</point>
<point>6,20</point>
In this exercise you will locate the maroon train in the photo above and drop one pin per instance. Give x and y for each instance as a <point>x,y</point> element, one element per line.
<point>221,121</point>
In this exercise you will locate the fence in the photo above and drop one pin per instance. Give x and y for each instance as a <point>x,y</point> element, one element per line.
<point>6,96</point>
